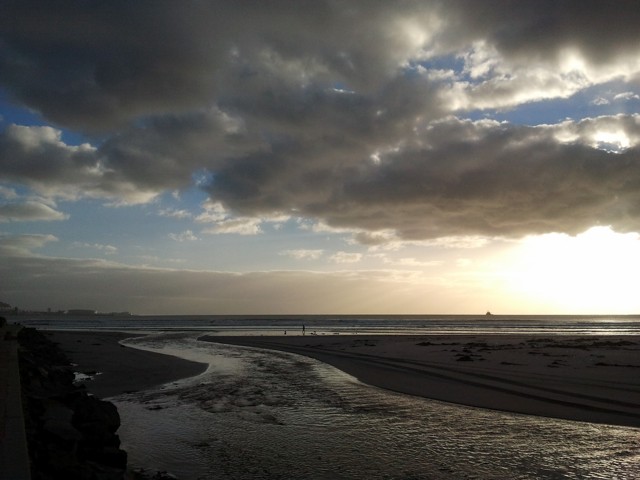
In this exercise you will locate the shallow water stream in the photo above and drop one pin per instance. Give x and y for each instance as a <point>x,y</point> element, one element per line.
<point>265,414</point>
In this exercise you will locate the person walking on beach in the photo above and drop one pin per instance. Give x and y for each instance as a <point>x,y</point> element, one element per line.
<point>303,328</point>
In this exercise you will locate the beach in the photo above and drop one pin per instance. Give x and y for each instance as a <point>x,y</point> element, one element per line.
<point>287,414</point>
<point>592,379</point>
<point>114,368</point>
<point>585,378</point>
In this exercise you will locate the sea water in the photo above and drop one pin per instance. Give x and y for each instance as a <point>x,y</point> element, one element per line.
<point>346,324</point>
<point>263,414</point>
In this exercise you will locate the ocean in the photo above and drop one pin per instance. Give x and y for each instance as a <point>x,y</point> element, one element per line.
<point>274,415</point>
<point>346,324</point>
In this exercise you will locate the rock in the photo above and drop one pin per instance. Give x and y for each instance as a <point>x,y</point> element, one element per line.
<point>70,434</point>
<point>95,417</point>
<point>63,431</point>
<point>57,422</point>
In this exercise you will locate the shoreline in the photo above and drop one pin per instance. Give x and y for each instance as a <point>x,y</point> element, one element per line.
<point>120,369</point>
<point>584,378</point>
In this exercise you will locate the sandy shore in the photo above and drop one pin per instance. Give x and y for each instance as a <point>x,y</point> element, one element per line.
<point>595,379</point>
<point>122,369</point>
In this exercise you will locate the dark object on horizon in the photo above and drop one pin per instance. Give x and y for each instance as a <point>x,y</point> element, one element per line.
<point>81,311</point>
<point>488,313</point>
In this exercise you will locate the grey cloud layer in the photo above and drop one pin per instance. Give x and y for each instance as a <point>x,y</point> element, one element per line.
<point>98,64</point>
<point>320,110</point>
<point>55,283</point>
<point>458,178</point>
<point>541,29</point>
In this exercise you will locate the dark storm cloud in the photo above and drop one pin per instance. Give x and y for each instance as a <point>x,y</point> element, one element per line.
<point>326,109</point>
<point>132,166</point>
<point>38,158</point>
<point>94,65</point>
<point>541,29</point>
<point>164,152</point>
<point>97,65</point>
<point>466,178</point>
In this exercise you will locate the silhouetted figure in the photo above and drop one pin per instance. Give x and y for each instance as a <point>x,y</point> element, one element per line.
<point>302,329</point>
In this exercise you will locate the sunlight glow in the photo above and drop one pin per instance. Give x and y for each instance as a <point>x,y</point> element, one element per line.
<point>572,61</point>
<point>594,272</point>
<point>611,141</point>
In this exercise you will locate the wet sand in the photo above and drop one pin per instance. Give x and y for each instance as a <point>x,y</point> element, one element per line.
<point>122,369</point>
<point>594,379</point>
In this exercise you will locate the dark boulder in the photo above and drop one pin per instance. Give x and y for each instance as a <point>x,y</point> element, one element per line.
<point>70,434</point>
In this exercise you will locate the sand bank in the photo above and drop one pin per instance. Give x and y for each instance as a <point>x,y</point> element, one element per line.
<point>122,369</point>
<point>594,379</point>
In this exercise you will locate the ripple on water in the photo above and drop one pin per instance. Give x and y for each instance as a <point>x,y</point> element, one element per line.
<point>261,414</point>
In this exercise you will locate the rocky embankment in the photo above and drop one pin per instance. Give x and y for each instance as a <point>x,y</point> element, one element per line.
<point>70,433</point>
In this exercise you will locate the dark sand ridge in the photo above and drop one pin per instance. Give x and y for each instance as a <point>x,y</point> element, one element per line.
<point>122,369</point>
<point>575,378</point>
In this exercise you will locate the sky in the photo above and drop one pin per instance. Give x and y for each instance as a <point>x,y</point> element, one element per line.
<point>320,157</point>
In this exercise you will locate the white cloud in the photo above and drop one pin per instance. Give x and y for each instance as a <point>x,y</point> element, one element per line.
<point>465,242</point>
<point>626,96</point>
<point>149,261</point>
<point>346,257</point>
<point>238,226</point>
<point>186,236</point>
<point>610,133</point>
<point>413,262</point>
<point>225,223</point>
<point>8,193</point>
<point>213,212</point>
<point>29,211</point>
<point>303,254</point>
<point>23,245</point>
<point>387,239</point>
<point>107,249</point>
<point>174,213</point>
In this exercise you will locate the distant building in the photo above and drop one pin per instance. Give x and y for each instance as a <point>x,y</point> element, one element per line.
<point>79,311</point>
